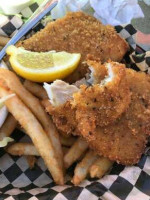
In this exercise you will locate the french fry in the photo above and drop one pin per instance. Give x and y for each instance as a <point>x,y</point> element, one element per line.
<point>34,129</point>
<point>67,141</point>
<point>26,149</point>
<point>82,168</point>
<point>45,102</point>
<point>74,153</point>
<point>31,161</point>
<point>36,89</point>
<point>8,127</point>
<point>3,99</point>
<point>4,40</point>
<point>19,149</point>
<point>10,80</point>
<point>100,167</point>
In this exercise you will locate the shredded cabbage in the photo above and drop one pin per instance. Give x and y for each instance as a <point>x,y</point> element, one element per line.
<point>5,141</point>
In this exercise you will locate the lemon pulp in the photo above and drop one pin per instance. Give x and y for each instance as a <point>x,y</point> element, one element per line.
<point>44,66</point>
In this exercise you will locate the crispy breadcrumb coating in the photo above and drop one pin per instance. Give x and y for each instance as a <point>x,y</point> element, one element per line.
<point>59,106</point>
<point>99,104</point>
<point>78,32</point>
<point>63,116</point>
<point>105,100</point>
<point>124,141</point>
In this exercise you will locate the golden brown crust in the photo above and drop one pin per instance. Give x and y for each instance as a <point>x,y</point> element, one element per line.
<point>63,117</point>
<point>78,32</point>
<point>100,71</point>
<point>124,141</point>
<point>101,105</point>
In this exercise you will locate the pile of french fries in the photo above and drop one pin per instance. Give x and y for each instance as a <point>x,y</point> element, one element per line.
<point>57,151</point>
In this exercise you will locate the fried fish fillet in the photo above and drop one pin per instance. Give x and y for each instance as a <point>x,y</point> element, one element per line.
<point>60,106</point>
<point>105,100</point>
<point>78,32</point>
<point>124,141</point>
<point>63,117</point>
<point>75,109</point>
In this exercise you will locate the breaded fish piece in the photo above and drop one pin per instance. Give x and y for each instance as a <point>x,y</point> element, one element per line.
<point>78,32</point>
<point>63,117</point>
<point>75,109</point>
<point>59,106</point>
<point>105,100</point>
<point>124,141</point>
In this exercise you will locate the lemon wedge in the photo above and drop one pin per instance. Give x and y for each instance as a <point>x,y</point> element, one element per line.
<point>44,66</point>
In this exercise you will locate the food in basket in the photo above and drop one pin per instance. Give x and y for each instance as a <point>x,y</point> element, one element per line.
<point>48,137</point>
<point>9,125</point>
<point>49,66</point>
<point>36,89</point>
<point>100,102</point>
<point>100,167</point>
<point>75,152</point>
<point>82,167</point>
<point>125,139</point>
<point>104,100</point>
<point>27,149</point>
<point>79,32</point>
<point>60,94</point>
<point>106,117</point>
<point>3,99</point>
